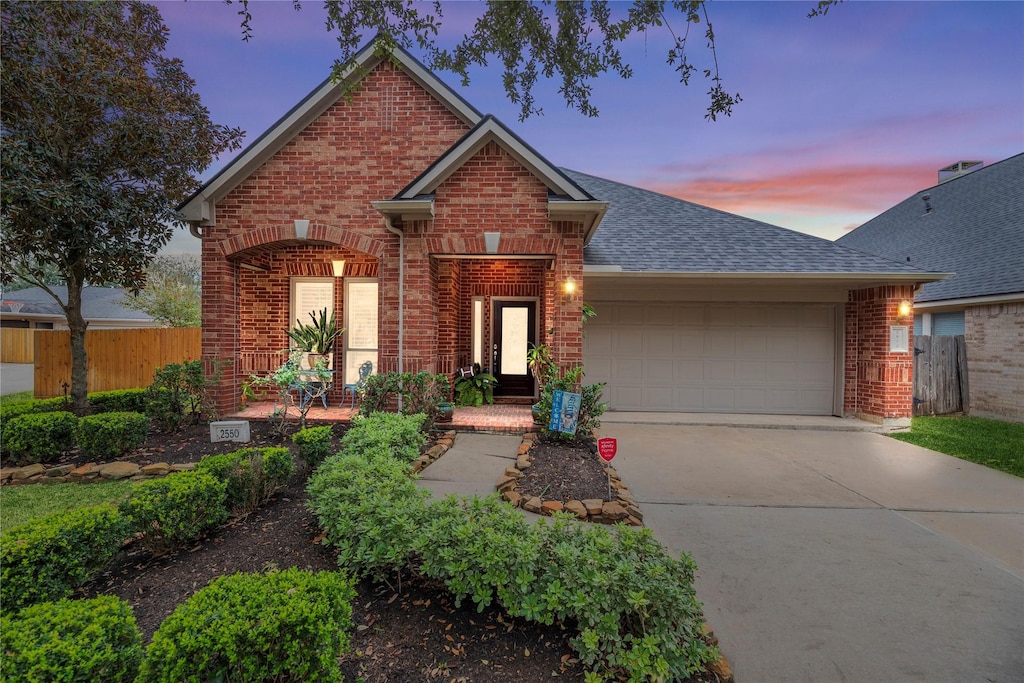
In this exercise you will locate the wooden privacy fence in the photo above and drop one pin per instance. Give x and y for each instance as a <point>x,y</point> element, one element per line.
<point>940,375</point>
<point>118,359</point>
<point>16,345</point>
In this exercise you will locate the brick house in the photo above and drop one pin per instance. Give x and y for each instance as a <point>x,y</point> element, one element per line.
<point>440,238</point>
<point>970,224</point>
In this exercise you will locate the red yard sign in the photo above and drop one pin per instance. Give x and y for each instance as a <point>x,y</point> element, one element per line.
<point>606,448</point>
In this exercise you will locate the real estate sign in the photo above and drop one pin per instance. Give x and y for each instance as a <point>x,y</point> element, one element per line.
<point>565,411</point>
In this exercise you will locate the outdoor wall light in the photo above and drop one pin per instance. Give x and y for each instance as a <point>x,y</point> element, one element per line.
<point>905,309</point>
<point>569,286</point>
<point>339,268</point>
<point>491,240</point>
<point>301,229</point>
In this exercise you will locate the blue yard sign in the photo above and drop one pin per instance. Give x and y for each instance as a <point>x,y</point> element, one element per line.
<point>565,411</point>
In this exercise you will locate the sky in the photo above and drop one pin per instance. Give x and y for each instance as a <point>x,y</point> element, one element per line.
<point>842,116</point>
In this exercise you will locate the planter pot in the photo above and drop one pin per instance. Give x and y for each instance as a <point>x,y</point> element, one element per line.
<point>314,358</point>
<point>445,411</point>
<point>535,410</point>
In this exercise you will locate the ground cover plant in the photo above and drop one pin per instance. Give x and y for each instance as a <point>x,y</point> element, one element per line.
<point>992,443</point>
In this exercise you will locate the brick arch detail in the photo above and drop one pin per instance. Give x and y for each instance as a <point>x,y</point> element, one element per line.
<point>318,232</point>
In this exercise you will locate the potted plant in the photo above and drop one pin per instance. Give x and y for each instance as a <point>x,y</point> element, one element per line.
<point>445,411</point>
<point>316,339</point>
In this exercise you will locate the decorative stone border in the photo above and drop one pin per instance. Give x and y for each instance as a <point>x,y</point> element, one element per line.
<point>440,447</point>
<point>623,509</point>
<point>89,472</point>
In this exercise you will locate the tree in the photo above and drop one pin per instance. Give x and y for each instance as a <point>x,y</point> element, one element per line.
<point>102,135</point>
<point>172,293</point>
<point>582,45</point>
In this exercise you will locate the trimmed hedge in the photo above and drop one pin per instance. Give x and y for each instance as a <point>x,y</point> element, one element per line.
<point>169,512</point>
<point>314,444</point>
<point>289,625</point>
<point>634,604</point>
<point>39,437</point>
<point>47,558</point>
<point>250,474</point>
<point>388,435</point>
<point>119,401</point>
<point>73,641</point>
<point>109,435</point>
<point>32,405</point>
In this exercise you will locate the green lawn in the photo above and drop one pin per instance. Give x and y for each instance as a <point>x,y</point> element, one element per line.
<point>19,504</point>
<point>995,444</point>
<point>14,398</point>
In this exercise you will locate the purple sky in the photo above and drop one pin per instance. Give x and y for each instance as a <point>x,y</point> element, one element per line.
<point>842,116</point>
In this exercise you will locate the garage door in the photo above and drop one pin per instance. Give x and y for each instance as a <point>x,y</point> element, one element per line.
<point>713,357</point>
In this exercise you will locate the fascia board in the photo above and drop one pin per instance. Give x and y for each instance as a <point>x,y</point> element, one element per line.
<point>605,271</point>
<point>589,211</point>
<point>969,301</point>
<point>406,209</point>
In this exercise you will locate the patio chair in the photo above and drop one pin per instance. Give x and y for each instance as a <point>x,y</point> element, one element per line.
<point>364,371</point>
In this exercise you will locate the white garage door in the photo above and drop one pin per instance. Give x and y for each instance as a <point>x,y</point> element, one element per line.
<point>713,357</point>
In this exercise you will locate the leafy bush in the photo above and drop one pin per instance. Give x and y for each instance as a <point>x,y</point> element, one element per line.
<point>251,475</point>
<point>119,401</point>
<point>179,394</point>
<point>420,393</point>
<point>39,437</point>
<point>77,641</point>
<point>314,444</point>
<point>47,558</point>
<point>34,405</point>
<point>591,406</point>
<point>108,435</point>
<point>174,510</point>
<point>475,390</point>
<point>289,625</point>
<point>387,435</point>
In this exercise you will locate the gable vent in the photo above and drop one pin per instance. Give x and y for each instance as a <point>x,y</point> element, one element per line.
<point>958,169</point>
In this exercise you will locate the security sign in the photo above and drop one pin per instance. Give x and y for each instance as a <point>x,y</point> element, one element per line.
<point>606,448</point>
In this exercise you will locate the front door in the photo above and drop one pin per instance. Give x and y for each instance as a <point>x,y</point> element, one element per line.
<point>515,328</point>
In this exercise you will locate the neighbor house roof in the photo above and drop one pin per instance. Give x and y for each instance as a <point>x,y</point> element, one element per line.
<point>972,225</point>
<point>646,232</point>
<point>98,303</point>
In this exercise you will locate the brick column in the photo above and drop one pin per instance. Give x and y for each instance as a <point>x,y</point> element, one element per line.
<point>220,327</point>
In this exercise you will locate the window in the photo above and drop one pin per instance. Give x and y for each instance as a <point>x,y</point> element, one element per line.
<point>361,313</point>
<point>478,330</point>
<point>918,325</point>
<point>949,322</point>
<point>309,295</point>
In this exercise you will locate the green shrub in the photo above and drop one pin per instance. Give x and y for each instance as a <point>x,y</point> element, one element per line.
<point>251,475</point>
<point>476,389</point>
<point>385,434</point>
<point>77,641</point>
<point>591,407</point>
<point>39,437</point>
<point>290,625</point>
<point>420,393</point>
<point>109,435</point>
<point>314,444</point>
<point>179,395</point>
<point>370,511</point>
<point>47,558</point>
<point>119,401</point>
<point>174,510</point>
<point>33,405</point>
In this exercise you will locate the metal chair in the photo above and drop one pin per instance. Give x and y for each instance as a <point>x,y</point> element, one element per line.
<point>364,371</point>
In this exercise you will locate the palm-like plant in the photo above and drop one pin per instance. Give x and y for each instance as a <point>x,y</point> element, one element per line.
<point>319,337</point>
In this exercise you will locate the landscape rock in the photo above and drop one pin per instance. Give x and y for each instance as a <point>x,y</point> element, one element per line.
<point>59,471</point>
<point>436,451</point>
<point>119,470</point>
<point>27,472</point>
<point>614,511</point>
<point>523,462</point>
<point>506,483</point>
<point>156,469</point>
<point>83,470</point>
<point>183,467</point>
<point>532,504</point>
<point>593,506</point>
<point>524,448</point>
<point>577,508</point>
<point>549,506</point>
<point>53,480</point>
<point>6,472</point>
<point>512,496</point>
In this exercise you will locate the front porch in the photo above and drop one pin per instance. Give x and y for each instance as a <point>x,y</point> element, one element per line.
<point>498,418</point>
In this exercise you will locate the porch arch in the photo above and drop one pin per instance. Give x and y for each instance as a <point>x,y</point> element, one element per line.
<point>233,247</point>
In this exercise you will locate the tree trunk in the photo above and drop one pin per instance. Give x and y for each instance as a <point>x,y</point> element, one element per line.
<point>79,362</point>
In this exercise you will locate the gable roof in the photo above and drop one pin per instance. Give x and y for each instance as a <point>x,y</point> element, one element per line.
<point>975,228</point>
<point>645,232</point>
<point>98,303</point>
<point>199,208</point>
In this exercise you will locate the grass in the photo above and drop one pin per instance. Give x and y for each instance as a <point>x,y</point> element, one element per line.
<point>995,444</point>
<point>15,397</point>
<point>20,504</point>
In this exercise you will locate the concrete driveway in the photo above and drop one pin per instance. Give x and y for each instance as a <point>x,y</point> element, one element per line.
<point>839,556</point>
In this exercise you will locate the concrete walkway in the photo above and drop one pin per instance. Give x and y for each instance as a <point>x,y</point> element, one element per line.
<point>834,556</point>
<point>472,466</point>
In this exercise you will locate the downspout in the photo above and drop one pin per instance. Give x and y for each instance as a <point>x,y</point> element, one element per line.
<point>401,297</point>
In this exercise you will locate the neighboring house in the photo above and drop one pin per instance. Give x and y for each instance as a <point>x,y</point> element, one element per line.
<point>970,224</point>
<point>102,307</point>
<point>440,239</point>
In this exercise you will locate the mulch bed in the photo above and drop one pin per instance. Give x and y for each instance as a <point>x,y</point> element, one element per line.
<point>564,471</point>
<point>418,635</point>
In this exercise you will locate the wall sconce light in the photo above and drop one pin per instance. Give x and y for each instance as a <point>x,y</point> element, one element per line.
<point>904,309</point>
<point>491,240</point>
<point>339,268</point>
<point>301,229</point>
<point>569,286</point>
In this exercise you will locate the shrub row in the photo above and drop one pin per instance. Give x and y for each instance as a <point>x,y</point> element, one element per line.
<point>43,437</point>
<point>314,444</point>
<point>634,604</point>
<point>120,400</point>
<point>289,625</point>
<point>251,475</point>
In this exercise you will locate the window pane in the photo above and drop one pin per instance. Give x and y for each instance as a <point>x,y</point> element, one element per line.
<point>951,322</point>
<point>478,330</point>
<point>515,324</point>
<point>361,312</point>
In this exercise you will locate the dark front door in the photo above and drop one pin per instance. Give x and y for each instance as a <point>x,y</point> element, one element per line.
<point>515,328</point>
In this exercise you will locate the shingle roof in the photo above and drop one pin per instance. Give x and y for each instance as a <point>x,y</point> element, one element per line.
<point>98,303</point>
<point>975,228</point>
<point>647,231</point>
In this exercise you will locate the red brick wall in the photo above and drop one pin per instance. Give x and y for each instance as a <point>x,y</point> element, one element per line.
<point>878,384</point>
